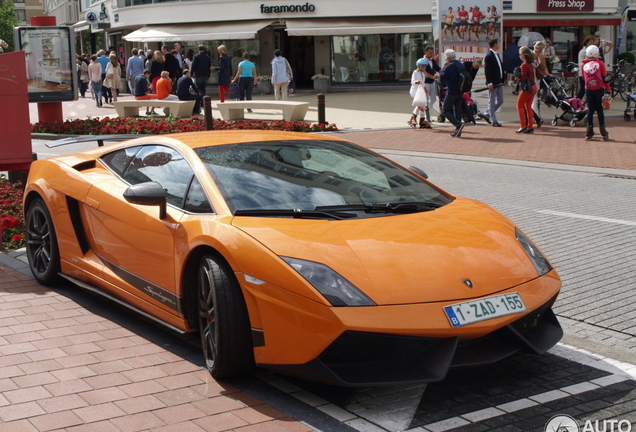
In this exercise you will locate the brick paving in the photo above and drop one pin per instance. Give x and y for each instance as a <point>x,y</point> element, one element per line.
<point>63,367</point>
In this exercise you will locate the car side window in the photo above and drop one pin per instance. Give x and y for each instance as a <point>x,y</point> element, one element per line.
<point>163,165</point>
<point>197,201</point>
<point>119,160</point>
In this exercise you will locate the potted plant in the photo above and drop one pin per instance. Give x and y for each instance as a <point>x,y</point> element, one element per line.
<point>264,85</point>
<point>321,83</point>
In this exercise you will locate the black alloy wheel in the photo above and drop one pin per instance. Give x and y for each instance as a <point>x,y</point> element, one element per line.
<point>223,320</point>
<point>41,244</point>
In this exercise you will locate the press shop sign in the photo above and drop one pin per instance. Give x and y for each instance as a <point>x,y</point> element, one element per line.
<point>565,5</point>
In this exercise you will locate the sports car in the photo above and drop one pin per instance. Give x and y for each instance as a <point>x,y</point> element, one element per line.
<point>304,254</point>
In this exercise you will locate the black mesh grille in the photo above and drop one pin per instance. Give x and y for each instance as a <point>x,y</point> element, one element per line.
<point>353,348</point>
<point>531,320</point>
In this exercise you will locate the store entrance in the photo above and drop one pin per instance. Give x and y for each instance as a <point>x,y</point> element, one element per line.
<point>299,52</point>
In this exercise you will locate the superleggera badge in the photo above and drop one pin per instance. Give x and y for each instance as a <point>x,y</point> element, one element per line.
<point>468,283</point>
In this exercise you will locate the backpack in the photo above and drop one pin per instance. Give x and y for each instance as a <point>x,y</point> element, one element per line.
<point>464,80</point>
<point>592,75</point>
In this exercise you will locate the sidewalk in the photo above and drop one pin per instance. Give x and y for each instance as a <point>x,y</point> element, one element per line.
<point>384,113</point>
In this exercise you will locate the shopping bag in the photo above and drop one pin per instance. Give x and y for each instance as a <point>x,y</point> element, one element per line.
<point>234,92</point>
<point>420,97</point>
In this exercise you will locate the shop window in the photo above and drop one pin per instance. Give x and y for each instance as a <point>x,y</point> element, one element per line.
<point>566,45</point>
<point>368,58</point>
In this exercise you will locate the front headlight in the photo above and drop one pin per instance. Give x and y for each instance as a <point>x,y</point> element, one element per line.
<point>538,260</point>
<point>336,289</point>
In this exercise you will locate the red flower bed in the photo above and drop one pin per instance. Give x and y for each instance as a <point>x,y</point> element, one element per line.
<point>11,217</point>
<point>156,126</point>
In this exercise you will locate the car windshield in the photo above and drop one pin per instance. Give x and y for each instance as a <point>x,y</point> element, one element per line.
<point>314,175</point>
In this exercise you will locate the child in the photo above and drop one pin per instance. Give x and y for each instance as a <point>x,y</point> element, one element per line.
<point>576,104</point>
<point>417,80</point>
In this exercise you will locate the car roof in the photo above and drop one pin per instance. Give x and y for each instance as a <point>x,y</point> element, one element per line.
<point>210,138</point>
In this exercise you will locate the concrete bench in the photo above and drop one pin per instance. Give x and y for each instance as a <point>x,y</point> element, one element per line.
<point>130,108</point>
<point>235,109</point>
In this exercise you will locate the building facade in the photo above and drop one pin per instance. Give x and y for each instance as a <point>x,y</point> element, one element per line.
<point>354,43</point>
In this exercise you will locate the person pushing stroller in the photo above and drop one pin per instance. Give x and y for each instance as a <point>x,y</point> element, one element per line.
<point>417,85</point>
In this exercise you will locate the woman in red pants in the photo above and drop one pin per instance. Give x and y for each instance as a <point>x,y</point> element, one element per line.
<point>528,88</point>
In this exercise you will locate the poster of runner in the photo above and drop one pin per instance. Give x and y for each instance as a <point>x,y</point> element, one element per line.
<point>467,29</point>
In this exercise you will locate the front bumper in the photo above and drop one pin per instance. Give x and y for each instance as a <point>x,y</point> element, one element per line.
<point>358,358</point>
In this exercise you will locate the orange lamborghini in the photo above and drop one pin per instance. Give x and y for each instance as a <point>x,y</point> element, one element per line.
<point>303,254</point>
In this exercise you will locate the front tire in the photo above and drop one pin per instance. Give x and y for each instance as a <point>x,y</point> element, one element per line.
<point>41,244</point>
<point>224,323</point>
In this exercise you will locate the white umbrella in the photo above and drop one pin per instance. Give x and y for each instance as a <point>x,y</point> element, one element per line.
<point>528,39</point>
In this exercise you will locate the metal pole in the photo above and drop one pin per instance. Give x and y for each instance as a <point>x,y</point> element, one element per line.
<point>321,109</point>
<point>207,108</point>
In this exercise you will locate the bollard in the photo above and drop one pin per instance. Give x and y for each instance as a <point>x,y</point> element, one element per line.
<point>321,109</point>
<point>207,108</point>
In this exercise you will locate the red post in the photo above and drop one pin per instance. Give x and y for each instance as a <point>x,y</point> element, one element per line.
<point>48,111</point>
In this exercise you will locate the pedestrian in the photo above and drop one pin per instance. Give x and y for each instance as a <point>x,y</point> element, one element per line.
<point>142,90</point>
<point>113,77</point>
<point>589,40</point>
<point>156,67</point>
<point>187,90</point>
<point>418,85</point>
<point>149,59</point>
<point>604,45</point>
<point>171,64</point>
<point>541,76</point>
<point>527,89</point>
<point>201,69</point>
<point>103,60</point>
<point>134,69</point>
<point>594,73</point>
<point>95,77</point>
<point>432,73</point>
<point>281,75</point>
<point>188,60</point>
<point>453,101</point>
<point>469,106</point>
<point>550,55</point>
<point>82,76</point>
<point>177,55</point>
<point>494,80</point>
<point>246,77</point>
<point>225,72</point>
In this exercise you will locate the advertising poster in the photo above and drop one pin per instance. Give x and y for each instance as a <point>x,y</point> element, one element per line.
<point>50,62</point>
<point>467,28</point>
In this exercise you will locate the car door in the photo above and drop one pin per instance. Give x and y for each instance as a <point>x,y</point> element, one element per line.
<point>136,246</point>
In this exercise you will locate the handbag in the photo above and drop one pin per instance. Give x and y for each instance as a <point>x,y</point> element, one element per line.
<point>420,97</point>
<point>526,86</point>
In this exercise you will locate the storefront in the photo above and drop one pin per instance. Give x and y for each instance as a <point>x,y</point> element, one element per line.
<point>354,43</point>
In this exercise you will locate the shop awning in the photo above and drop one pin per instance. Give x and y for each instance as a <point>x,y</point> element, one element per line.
<point>358,26</point>
<point>81,26</point>
<point>560,20</point>
<point>198,32</point>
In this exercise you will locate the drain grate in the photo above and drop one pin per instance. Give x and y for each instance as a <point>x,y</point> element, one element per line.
<point>624,177</point>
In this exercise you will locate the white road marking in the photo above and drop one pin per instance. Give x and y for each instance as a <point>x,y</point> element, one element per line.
<point>587,217</point>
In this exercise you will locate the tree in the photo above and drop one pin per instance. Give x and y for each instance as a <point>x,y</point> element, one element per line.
<point>7,22</point>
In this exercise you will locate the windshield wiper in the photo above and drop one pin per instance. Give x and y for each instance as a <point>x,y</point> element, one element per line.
<point>391,207</point>
<point>295,213</point>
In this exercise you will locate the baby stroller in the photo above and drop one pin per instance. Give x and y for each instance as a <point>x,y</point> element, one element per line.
<point>554,96</point>
<point>472,112</point>
<point>631,107</point>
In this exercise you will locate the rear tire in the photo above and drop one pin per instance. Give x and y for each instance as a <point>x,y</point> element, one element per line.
<point>224,323</point>
<point>41,244</point>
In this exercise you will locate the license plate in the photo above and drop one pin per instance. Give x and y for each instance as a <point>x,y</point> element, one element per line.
<point>469,312</point>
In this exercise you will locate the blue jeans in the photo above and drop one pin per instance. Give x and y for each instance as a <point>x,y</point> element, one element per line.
<point>201,83</point>
<point>246,84</point>
<point>97,91</point>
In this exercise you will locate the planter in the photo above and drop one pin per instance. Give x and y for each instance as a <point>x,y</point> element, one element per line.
<point>321,85</point>
<point>265,87</point>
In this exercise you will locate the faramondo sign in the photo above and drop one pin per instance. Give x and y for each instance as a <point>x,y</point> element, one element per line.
<point>288,8</point>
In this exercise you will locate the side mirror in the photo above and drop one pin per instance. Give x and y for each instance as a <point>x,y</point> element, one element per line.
<point>149,194</point>
<point>418,171</point>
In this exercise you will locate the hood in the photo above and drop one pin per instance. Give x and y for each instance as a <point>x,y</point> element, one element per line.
<point>279,59</point>
<point>405,259</point>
